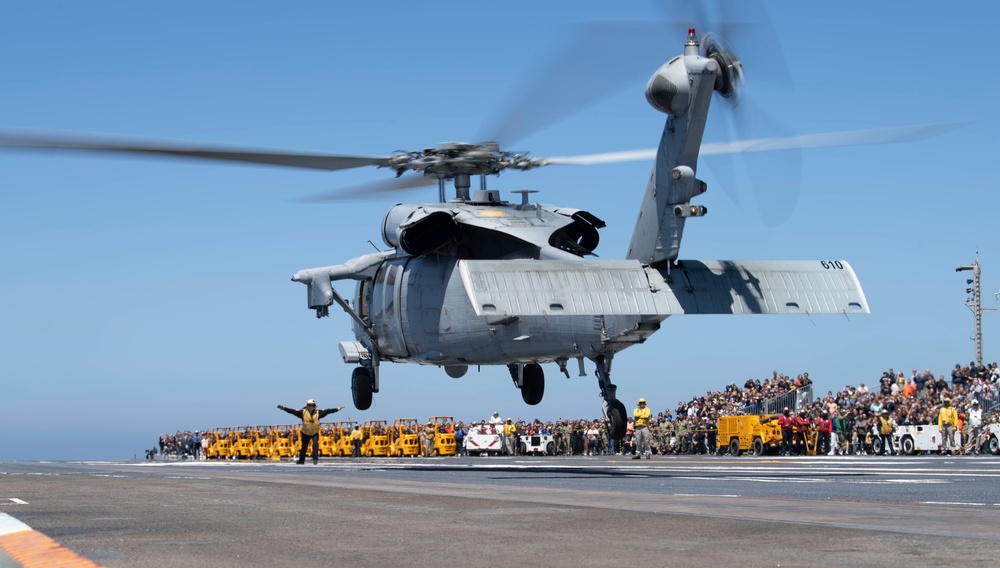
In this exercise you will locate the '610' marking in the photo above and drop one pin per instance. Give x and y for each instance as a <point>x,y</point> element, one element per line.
<point>832,264</point>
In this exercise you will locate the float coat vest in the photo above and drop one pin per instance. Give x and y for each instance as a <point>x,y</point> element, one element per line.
<point>310,422</point>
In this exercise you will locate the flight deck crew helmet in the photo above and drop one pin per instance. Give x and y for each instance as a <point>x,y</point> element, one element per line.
<point>310,402</point>
<point>975,402</point>
<point>642,401</point>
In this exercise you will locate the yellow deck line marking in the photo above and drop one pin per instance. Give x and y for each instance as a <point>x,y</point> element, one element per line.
<point>33,549</point>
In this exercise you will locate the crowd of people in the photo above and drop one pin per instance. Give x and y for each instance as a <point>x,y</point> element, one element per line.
<point>848,420</point>
<point>179,444</point>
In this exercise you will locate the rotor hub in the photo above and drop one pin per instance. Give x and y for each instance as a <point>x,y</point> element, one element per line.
<point>454,159</point>
<point>730,80</point>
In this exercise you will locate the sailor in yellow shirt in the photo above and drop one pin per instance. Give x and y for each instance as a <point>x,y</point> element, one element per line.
<point>947,420</point>
<point>642,415</point>
<point>430,430</point>
<point>357,438</point>
<point>508,435</point>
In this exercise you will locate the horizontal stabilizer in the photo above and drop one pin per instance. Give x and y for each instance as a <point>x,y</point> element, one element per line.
<point>626,287</point>
<point>767,287</point>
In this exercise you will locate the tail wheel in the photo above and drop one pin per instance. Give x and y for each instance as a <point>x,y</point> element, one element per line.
<point>908,447</point>
<point>616,420</point>
<point>361,388</point>
<point>734,447</point>
<point>758,447</point>
<point>533,385</point>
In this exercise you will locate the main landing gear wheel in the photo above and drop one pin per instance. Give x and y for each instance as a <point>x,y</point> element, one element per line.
<point>616,420</point>
<point>361,388</point>
<point>533,385</point>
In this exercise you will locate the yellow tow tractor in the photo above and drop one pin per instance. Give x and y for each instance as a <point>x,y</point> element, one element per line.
<point>328,440</point>
<point>218,444</point>
<point>343,428</point>
<point>444,435</point>
<point>376,440</point>
<point>404,439</point>
<point>241,442</point>
<point>282,443</point>
<point>752,433</point>
<point>296,438</point>
<point>261,443</point>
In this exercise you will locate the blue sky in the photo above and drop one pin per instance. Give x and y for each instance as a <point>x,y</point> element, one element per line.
<point>144,296</point>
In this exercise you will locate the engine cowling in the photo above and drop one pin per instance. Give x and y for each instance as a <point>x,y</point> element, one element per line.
<point>418,231</point>
<point>580,237</point>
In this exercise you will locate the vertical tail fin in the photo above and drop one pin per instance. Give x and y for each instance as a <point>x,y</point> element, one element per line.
<point>681,88</point>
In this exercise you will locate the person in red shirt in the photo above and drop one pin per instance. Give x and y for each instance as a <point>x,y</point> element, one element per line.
<point>825,427</point>
<point>800,427</point>
<point>786,423</point>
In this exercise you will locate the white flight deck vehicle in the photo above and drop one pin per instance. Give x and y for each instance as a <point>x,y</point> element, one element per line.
<point>993,438</point>
<point>537,445</point>
<point>483,440</point>
<point>911,440</point>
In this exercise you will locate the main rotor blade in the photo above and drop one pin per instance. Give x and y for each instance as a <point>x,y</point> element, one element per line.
<point>371,190</point>
<point>825,140</point>
<point>328,162</point>
<point>831,139</point>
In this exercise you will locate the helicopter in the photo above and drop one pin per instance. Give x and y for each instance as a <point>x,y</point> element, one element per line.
<point>477,280</point>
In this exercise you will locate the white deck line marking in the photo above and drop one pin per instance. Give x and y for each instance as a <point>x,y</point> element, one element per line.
<point>954,503</point>
<point>9,524</point>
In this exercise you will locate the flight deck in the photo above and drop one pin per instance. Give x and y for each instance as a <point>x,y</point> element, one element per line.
<point>560,511</point>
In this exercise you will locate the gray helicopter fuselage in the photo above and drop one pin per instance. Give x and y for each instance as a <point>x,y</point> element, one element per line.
<point>421,312</point>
